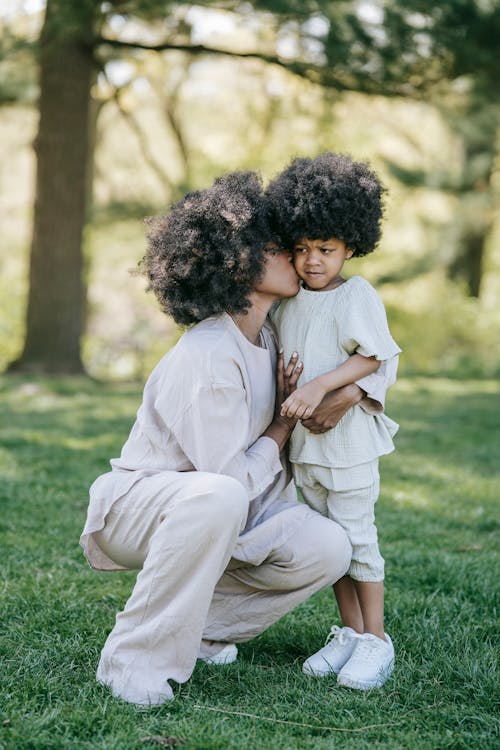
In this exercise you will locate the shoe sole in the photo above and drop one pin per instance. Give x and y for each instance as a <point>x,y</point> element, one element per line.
<point>312,673</point>
<point>219,660</point>
<point>344,681</point>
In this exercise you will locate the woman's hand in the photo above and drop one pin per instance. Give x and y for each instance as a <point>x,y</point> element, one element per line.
<point>332,408</point>
<point>286,379</point>
<point>281,428</point>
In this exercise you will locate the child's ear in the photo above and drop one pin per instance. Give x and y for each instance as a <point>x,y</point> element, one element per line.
<point>349,253</point>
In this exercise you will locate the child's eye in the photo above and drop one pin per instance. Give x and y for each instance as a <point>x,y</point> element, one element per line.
<point>299,249</point>
<point>327,249</point>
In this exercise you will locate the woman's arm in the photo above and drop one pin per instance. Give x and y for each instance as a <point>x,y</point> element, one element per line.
<point>333,407</point>
<point>303,401</point>
<point>369,392</point>
<point>213,431</point>
<point>281,427</point>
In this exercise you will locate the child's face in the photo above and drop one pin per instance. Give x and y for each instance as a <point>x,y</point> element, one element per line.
<point>319,262</point>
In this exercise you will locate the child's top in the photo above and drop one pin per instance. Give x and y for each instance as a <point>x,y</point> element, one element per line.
<point>325,328</point>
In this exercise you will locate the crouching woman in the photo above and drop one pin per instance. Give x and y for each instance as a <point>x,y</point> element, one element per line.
<point>200,500</point>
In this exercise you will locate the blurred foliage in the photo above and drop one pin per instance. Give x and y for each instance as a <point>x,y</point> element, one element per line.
<point>171,121</point>
<point>446,332</point>
<point>18,73</point>
<point>470,177</point>
<point>438,327</point>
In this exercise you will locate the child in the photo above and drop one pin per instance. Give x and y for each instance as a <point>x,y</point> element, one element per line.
<point>328,210</point>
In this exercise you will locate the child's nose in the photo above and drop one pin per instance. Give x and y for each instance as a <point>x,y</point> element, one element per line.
<point>314,257</point>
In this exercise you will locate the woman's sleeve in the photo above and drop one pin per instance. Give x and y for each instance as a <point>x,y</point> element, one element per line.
<point>212,432</point>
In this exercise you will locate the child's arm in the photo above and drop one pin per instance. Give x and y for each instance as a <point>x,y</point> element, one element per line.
<point>302,402</point>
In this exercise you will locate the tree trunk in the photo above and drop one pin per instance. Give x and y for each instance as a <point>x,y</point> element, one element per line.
<point>468,265</point>
<point>478,127</point>
<point>473,257</point>
<point>56,290</point>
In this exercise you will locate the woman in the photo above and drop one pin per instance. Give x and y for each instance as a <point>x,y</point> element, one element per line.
<point>201,500</point>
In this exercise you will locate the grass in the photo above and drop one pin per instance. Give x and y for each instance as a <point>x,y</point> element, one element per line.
<point>437,523</point>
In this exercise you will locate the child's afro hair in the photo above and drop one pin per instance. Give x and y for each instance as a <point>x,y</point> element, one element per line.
<point>206,255</point>
<point>329,196</point>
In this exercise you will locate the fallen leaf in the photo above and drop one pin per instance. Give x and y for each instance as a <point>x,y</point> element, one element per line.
<point>164,740</point>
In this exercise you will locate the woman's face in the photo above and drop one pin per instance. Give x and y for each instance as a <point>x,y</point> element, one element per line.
<point>279,279</point>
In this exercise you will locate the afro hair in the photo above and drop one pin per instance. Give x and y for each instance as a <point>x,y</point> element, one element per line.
<point>206,255</point>
<point>329,196</point>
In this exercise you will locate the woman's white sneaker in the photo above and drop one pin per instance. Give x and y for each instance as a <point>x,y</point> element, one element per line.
<point>330,659</point>
<point>371,663</point>
<point>226,656</point>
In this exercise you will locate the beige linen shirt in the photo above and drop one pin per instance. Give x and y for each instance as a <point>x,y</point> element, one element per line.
<point>326,328</point>
<point>204,408</point>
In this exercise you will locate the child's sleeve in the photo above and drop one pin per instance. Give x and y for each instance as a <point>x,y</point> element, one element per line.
<point>377,384</point>
<point>365,326</point>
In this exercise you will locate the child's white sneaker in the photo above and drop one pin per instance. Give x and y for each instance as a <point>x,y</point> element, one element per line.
<point>330,659</point>
<point>370,665</point>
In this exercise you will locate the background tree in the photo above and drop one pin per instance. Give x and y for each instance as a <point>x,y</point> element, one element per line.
<point>458,40</point>
<point>56,292</point>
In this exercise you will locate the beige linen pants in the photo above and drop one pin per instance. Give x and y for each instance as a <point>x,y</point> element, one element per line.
<point>180,529</point>
<point>348,497</point>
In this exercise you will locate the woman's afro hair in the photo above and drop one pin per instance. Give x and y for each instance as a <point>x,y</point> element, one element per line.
<point>329,196</point>
<point>205,256</point>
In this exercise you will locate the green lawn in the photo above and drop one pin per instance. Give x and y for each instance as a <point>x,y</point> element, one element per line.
<point>437,520</point>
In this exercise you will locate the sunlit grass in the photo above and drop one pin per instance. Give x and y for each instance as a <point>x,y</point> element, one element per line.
<point>438,523</point>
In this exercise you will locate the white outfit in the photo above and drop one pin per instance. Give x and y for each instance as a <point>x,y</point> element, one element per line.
<point>326,328</point>
<point>206,508</point>
<point>348,496</point>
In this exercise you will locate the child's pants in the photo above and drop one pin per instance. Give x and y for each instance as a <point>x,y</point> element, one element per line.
<point>348,496</point>
<point>181,530</point>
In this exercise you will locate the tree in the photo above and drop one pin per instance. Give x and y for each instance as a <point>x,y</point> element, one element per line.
<point>56,297</point>
<point>469,179</point>
<point>394,48</point>
<point>458,40</point>
<point>72,47</point>
<point>474,117</point>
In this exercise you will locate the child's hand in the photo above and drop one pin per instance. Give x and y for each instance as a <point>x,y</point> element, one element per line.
<point>333,407</point>
<point>302,402</point>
